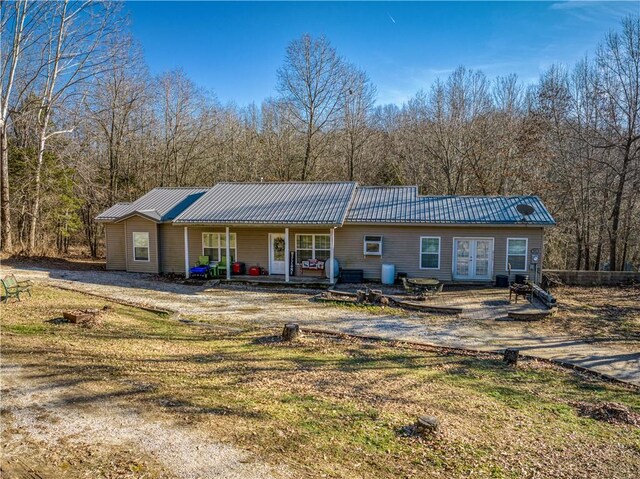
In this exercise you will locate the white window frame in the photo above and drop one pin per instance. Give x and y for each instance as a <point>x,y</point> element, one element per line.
<point>365,242</point>
<point>222,251</point>
<point>439,238</point>
<point>133,240</point>
<point>526,255</point>
<point>313,245</point>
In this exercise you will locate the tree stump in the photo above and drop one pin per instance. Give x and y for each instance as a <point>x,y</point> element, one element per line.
<point>384,301</point>
<point>80,316</point>
<point>290,332</point>
<point>511,356</point>
<point>374,296</point>
<point>426,425</point>
<point>361,296</point>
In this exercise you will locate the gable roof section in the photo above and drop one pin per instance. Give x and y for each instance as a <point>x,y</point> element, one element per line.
<point>114,212</point>
<point>159,205</point>
<point>401,204</point>
<point>311,203</point>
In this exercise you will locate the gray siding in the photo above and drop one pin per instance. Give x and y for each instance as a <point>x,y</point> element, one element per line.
<point>138,225</point>
<point>401,246</point>
<point>114,237</point>
<point>171,243</point>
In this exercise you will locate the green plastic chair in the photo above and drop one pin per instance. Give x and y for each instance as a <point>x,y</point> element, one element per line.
<point>203,261</point>
<point>222,265</point>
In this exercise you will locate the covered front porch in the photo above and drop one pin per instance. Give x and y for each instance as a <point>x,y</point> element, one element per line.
<point>274,254</point>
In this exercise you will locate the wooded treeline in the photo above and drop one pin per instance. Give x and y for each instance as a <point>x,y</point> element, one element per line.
<point>83,125</point>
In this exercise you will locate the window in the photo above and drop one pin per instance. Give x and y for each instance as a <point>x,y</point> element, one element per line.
<point>373,245</point>
<point>517,253</point>
<point>214,245</point>
<point>312,247</point>
<point>429,252</point>
<point>141,246</point>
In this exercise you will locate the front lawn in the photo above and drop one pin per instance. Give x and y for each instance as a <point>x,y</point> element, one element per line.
<point>332,408</point>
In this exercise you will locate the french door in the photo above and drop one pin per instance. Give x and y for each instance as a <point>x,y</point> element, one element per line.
<point>472,258</point>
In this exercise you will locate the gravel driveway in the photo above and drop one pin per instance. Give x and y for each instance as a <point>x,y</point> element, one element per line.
<point>44,415</point>
<point>240,307</point>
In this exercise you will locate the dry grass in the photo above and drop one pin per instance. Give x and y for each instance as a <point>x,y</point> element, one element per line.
<point>599,312</point>
<point>333,408</point>
<point>72,262</point>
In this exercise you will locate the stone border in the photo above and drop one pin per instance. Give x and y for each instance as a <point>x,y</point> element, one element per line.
<point>531,314</point>
<point>131,304</point>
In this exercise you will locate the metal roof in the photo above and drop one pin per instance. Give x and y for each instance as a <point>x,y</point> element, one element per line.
<point>114,212</point>
<point>159,204</point>
<point>324,203</point>
<point>402,204</point>
<point>318,203</point>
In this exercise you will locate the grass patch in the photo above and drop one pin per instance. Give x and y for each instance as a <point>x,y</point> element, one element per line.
<point>334,408</point>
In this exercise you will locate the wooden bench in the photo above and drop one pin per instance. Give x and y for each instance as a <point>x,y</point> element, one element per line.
<point>312,265</point>
<point>13,288</point>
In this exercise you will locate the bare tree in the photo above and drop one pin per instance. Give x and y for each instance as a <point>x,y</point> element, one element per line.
<point>618,61</point>
<point>312,82</point>
<point>359,99</point>
<point>73,54</point>
<point>280,149</point>
<point>19,20</point>
<point>188,119</point>
<point>113,102</point>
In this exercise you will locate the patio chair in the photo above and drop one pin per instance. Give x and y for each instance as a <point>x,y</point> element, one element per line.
<point>201,268</point>
<point>223,265</point>
<point>13,288</point>
<point>524,290</point>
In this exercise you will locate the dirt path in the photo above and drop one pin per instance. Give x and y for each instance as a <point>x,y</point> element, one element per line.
<point>52,426</point>
<point>240,307</point>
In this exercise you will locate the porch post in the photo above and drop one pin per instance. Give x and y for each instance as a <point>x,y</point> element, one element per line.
<point>286,255</point>
<point>228,253</point>
<point>331,242</point>
<point>186,252</point>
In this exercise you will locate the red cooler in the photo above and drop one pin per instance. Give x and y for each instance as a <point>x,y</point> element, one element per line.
<point>254,271</point>
<point>237,268</point>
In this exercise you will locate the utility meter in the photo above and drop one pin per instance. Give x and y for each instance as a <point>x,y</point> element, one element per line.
<point>535,255</point>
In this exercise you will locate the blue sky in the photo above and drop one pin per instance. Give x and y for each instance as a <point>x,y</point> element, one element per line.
<point>234,49</point>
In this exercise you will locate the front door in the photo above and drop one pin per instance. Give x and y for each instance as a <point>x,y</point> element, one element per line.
<point>473,259</point>
<point>276,253</point>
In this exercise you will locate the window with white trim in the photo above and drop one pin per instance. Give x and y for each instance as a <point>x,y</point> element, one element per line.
<point>312,247</point>
<point>141,246</point>
<point>429,252</point>
<point>214,245</point>
<point>517,253</point>
<point>373,245</point>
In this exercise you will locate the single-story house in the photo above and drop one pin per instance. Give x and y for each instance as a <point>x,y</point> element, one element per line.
<point>285,227</point>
